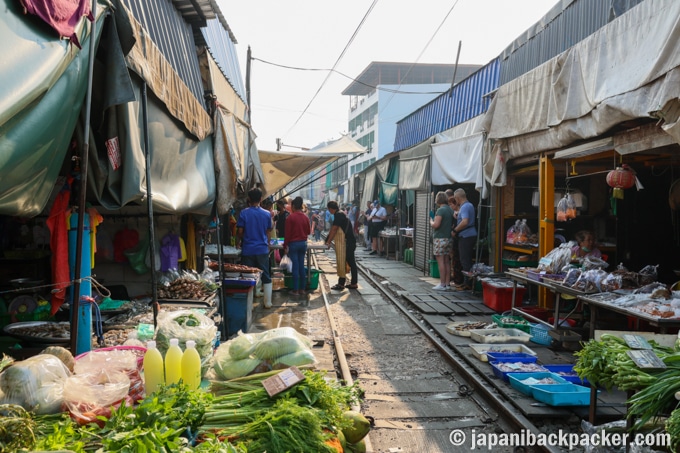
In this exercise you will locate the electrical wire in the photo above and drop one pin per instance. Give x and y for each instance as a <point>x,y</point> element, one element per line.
<point>441,24</point>
<point>342,54</point>
<point>388,90</point>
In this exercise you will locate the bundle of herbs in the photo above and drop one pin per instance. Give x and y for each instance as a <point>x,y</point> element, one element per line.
<point>244,400</point>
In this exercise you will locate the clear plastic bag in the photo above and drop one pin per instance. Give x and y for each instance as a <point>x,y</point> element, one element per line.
<point>590,262</point>
<point>127,361</point>
<point>91,395</point>
<point>36,384</point>
<point>556,259</point>
<point>255,353</point>
<point>187,325</point>
<point>287,264</point>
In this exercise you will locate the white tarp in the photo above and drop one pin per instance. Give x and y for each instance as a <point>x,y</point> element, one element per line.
<point>459,161</point>
<point>281,167</point>
<point>624,71</point>
<point>369,187</point>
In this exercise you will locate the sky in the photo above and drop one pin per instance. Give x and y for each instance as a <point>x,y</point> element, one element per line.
<point>305,107</point>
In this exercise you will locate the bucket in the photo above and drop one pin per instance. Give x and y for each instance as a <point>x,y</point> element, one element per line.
<point>434,269</point>
<point>408,256</point>
<point>313,283</point>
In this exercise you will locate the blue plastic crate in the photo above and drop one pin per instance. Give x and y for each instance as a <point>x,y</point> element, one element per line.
<point>562,394</point>
<point>567,372</point>
<point>504,374</point>
<point>517,380</point>
<point>540,334</point>
<point>510,357</point>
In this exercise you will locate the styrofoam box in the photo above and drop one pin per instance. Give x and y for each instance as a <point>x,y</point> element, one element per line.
<point>480,350</point>
<point>499,336</point>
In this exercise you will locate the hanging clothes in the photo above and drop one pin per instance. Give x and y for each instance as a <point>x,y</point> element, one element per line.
<point>170,252</point>
<point>57,223</point>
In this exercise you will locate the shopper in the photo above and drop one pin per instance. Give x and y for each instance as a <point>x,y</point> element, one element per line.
<point>345,245</point>
<point>295,244</point>
<point>367,214</point>
<point>378,219</point>
<point>466,232</point>
<point>456,268</point>
<point>441,224</point>
<point>317,225</point>
<point>253,227</point>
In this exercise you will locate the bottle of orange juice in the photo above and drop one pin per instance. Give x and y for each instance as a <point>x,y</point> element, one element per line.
<point>153,368</point>
<point>173,362</point>
<point>191,366</point>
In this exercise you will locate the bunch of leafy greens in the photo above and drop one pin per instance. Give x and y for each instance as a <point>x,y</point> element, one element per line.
<point>162,422</point>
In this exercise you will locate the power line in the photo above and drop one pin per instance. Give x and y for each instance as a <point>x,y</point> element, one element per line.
<point>342,54</point>
<point>388,90</point>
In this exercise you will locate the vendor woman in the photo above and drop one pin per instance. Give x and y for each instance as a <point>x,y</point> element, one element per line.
<point>586,246</point>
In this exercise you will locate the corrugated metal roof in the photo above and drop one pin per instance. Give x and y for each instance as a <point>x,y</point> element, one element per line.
<point>390,73</point>
<point>173,36</point>
<point>465,101</point>
<point>221,47</point>
<point>567,23</point>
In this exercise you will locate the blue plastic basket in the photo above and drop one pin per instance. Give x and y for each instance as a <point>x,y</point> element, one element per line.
<point>539,334</point>
<point>567,372</point>
<point>562,394</point>
<point>517,380</point>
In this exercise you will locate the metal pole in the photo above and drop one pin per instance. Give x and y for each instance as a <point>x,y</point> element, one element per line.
<point>478,253</point>
<point>223,294</point>
<point>83,187</point>
<point>455,69</point>
<point>149,205</point>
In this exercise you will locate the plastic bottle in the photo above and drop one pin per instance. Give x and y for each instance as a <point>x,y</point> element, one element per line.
<point>191,366</point>
<point>173,362</point>
<point>153,368</point>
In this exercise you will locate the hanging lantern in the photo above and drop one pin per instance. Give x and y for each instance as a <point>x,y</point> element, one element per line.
<point>621,178</point>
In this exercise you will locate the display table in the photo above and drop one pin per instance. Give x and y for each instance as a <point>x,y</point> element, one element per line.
<point>558,290</point>
<point>310,246</point>
<point>387,238</point>
<point>602,301</point>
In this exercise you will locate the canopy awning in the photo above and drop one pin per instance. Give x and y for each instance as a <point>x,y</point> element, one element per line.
<point>624,71</point>
<point>459,161</point>
<point>414,162</point>
<point>281,167</point>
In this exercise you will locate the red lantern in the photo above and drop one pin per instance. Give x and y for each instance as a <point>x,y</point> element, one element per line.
<point>622,177</point>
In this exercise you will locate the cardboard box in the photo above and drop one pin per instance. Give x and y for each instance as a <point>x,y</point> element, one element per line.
<point>282,381</point>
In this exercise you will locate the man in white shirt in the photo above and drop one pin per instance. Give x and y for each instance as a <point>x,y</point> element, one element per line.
<point>377,219</point>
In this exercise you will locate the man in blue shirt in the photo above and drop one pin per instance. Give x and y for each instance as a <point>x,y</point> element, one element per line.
<point>253,227</point>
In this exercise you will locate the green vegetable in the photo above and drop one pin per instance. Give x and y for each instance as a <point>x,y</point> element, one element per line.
<point>16,428</point>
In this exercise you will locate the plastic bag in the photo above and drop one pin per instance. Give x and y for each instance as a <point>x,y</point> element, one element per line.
<point>256,353</point>
<point>90,395</point>
<point>287,264</point>
<point>187,325</point>
<point>127,361</point>
<point>590,262</point>
<point>36,384</point>
<point>137,256</point>
<point>566,208</point>
<point>556,259</point>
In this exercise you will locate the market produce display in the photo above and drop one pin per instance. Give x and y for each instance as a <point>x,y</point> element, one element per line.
<point>607,363</point>
<point>185,285</point>
<point>187,325</point>
<point>102,406</point>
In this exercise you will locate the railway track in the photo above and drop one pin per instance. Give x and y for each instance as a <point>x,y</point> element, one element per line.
<point>472,395</point>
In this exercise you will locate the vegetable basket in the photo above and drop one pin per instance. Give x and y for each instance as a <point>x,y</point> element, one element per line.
<point>540,334</point>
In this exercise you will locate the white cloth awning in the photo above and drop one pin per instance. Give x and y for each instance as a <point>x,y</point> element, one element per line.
<point>414,166</point>
<point>459,161</point>
<point>281,167</point>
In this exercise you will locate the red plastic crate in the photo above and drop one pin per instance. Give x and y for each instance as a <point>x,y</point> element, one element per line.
<point>500,298</point>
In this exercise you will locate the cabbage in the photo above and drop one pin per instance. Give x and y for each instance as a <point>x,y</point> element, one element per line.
<point>242,346</point>
<point>299,358</point>
<point>228,368</point>
<point>36,383</point>
<point>273,348</point>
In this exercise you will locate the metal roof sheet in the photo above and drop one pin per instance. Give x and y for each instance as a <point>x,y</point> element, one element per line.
<point>221,46</point>
<point>173,36</point>
<point>386,73</point>
<point>464,101</point>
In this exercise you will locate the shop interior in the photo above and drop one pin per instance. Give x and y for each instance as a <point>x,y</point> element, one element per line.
<point>633,227</point>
